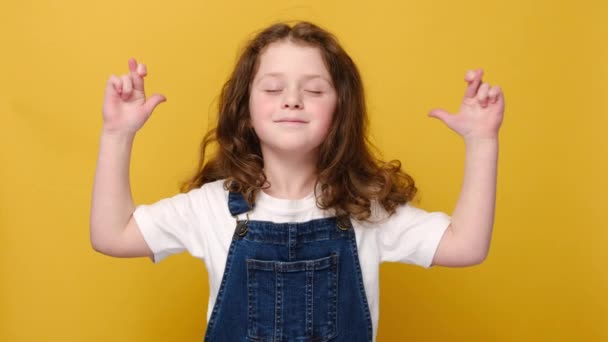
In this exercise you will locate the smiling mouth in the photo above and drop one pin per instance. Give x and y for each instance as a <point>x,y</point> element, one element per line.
<point>290,121</point>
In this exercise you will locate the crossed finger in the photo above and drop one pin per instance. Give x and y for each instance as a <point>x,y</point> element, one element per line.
<point>473,78</point>
<point>137,72</point>
<point>483,92</point>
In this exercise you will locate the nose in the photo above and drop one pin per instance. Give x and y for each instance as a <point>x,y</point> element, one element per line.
<point>292,100</point>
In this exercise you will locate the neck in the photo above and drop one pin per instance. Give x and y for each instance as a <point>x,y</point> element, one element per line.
<point>291,176</point>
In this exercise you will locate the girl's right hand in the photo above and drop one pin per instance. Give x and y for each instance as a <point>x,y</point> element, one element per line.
<point>125,108</point>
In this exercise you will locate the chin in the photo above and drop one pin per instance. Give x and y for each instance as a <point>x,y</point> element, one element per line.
<point>292,148</point>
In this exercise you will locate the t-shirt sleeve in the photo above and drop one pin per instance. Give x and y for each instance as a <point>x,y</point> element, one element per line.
<point>411,235</point>
<point>172,225</point>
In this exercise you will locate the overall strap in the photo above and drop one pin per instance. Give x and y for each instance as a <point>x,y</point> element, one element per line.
<point>237,204</point>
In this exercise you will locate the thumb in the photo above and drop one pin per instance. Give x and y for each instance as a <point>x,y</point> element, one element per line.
<point>153,101</point>
<point>441,115</point>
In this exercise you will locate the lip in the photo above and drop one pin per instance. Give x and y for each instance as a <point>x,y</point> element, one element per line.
<point>291,121</point>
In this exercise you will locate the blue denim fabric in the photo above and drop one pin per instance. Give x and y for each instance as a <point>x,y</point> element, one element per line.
<point>237,204</point>
<point>291,282</point>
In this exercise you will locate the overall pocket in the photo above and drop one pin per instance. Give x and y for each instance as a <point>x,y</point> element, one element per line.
<point>296,298</point>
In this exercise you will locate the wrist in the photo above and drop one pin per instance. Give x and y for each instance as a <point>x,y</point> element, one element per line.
<point>115,134</point>
<point>117,138</point>
<point>481,140</point>
<point>478,146</point>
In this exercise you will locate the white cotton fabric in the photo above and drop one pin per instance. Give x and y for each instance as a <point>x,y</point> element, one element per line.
<point>199,222</point>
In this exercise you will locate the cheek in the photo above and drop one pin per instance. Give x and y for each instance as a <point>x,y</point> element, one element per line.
<point>261,110</point>
<point>325,112</point>
<point>261,105</point>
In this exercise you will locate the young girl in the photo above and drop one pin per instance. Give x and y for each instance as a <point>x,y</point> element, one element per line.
<point>293,214</point>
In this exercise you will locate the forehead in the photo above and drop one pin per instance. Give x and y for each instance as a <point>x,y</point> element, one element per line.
<point>289,58</point>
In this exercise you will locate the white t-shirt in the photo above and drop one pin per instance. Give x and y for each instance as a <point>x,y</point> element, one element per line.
<point>199,222</point>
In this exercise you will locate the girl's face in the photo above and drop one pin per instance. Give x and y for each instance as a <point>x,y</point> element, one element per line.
<point>292,99</point>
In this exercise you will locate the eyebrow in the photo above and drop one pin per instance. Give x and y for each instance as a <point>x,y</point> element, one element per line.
<point>306,77</point>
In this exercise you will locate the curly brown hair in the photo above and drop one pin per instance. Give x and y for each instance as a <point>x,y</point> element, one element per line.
<point>349,174</point>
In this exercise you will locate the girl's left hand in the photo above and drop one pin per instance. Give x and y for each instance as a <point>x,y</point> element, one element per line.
<point>481,111</point>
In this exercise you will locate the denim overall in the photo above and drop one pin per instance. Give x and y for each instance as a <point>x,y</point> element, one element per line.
<point>286,282</point>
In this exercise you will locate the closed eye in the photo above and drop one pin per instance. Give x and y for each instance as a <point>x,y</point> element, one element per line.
<point>316,92</point>
<point>272,90</point>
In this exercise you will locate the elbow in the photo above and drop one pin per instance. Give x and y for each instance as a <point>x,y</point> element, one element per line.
<point>97,243</point>
<point>93,238</point>
<point>478,259</point>
<point>103,248</point>
<point>475,258</point>
<point>474,252</point>
<point>97,247</point>
<point>454,251</point>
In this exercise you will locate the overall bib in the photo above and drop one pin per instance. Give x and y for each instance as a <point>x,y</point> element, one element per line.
<point>287,282</point>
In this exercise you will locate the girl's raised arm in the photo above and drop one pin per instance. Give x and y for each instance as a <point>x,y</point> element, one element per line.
<point>125,110</point>
<point>467,240</point>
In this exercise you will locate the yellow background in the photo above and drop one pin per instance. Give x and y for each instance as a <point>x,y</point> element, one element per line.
<point>545,278</point>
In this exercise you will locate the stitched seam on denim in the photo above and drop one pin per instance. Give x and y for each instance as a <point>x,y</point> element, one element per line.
<point>361,286</point>
<point>309,300</point>
<point>278,327</point>
<point>293,238</point>
<point>220,295</point>
<point>251,298</point>
<point>336,287</point>
<point>291,266</point>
